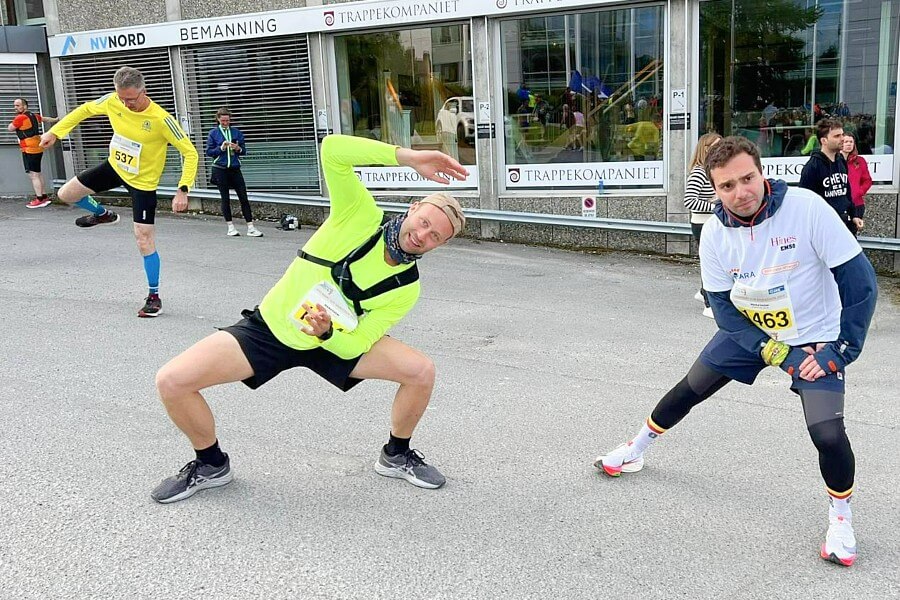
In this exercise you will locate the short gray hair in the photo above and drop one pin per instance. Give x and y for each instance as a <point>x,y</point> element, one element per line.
<point>128,78</point>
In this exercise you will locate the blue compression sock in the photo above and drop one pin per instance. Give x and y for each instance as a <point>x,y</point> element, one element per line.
<point>91,205</point>
<point>151,267</point>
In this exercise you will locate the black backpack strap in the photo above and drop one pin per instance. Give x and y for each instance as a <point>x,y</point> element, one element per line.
<point>32,131</point>
<point>384,286</point>
<point>315,259</point>
<point>340,273</point>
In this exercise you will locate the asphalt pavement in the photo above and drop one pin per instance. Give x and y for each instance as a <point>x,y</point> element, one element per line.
<point>545,358</point>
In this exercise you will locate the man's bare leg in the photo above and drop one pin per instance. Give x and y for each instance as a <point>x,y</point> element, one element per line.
<point>213,360</point>
<point>392,360</point>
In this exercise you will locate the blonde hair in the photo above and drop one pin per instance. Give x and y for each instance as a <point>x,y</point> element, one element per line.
<point>706,141</point>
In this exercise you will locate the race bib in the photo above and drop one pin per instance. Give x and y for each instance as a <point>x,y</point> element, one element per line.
<point>770,309</point>
<point>325,293</point>
<point>125,153</point>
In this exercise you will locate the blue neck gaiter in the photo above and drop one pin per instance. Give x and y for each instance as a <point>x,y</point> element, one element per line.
<point>392,241</point>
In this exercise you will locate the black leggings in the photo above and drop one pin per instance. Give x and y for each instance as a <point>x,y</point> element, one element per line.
<point>226,179</point>
<point>822,409</point>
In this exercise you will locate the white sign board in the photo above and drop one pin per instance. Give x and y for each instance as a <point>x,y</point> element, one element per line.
<point>484,112</point>
<point>881,167</point>
<point>678,102</point>
<point>405,178</point>
<point>322,119</point>
<point>589,207</point>
<point>647,173</point>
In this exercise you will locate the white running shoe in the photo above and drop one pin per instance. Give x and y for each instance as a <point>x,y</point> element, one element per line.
<point>698,296</point>
<point>621,460</point>
<point>232,231</point>
<point>840,543</point>
<point>252,231</point>
<point>707,312</point>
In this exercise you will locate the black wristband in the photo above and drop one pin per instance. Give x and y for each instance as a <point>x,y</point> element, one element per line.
<point>327,335</point>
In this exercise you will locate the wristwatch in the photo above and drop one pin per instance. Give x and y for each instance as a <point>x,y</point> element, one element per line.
<point>183,188</point>
<point>325,336</point>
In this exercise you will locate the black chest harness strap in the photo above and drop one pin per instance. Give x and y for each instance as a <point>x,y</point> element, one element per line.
<point>24,134</point>
<point>340,272</point>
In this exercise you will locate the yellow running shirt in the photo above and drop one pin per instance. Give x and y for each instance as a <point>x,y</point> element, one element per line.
<point>354,218</point>
<point>137,150</point>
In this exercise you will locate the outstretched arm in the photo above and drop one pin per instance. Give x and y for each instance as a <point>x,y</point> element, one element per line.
<point>340,153</point>
<point>71,120</point>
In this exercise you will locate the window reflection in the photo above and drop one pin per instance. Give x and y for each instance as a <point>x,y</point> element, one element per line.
<point>410,87</point>
<point>584,87</point>
<point>769,71</point>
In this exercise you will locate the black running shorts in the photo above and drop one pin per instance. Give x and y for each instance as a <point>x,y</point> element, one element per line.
<point>268,356</point>
<point>32,162</point>
<point>103,178</point>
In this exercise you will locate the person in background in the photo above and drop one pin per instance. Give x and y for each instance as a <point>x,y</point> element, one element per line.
<point>826,172</point>
<point>860,180</point>
<point>142,130</point>
<point>700,199</point>
<point>225,144</point>
<point>26,126</point>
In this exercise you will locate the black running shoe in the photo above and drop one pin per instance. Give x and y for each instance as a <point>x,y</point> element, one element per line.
<point>152,306</point>
<point>192,478</point>
<point>92,219</point>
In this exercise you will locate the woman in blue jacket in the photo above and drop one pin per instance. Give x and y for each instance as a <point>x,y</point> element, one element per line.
<point>225,144</point>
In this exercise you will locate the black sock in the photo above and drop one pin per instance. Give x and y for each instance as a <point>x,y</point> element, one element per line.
<point>212,456</point>
<point>396,446</point>
<point>42,197</point>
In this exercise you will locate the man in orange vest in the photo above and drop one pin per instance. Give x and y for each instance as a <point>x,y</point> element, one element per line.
<point>26,127</point>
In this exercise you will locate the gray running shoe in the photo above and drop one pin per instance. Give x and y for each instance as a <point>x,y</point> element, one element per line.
<point>192,478</point>
<point>410,466</point>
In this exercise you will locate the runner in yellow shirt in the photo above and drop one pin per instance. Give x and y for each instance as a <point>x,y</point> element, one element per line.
<point>137,156</point>
<point>353,280</point>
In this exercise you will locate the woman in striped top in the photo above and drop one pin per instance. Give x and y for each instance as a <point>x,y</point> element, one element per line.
<point>700,198</point>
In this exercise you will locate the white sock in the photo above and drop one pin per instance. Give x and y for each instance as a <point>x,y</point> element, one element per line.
<point>841,506</point>
<point>649,432</point>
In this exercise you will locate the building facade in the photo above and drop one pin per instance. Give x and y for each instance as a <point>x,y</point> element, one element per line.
<point>549,103</point>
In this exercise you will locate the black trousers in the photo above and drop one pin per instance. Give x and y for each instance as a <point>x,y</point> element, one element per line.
<point>231,179</point>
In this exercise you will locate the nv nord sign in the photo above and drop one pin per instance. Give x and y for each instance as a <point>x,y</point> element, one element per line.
<point>333,17</point>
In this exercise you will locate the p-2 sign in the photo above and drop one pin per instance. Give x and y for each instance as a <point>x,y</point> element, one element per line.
<point>589,207</point>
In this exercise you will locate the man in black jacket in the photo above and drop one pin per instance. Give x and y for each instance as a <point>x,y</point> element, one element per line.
<point>826,172</point>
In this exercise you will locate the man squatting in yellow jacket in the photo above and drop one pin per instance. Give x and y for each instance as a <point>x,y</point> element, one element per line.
<point>352,281</point>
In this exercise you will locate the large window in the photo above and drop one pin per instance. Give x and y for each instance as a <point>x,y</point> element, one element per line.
<point>410,87</point>
<point>769,71</point>
<point>584,89</point>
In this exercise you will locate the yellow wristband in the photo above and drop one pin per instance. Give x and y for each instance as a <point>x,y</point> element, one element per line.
<point>774,353</point>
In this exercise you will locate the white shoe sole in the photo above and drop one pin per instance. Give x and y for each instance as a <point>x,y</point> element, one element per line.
<point>400,474</point>
<point>143,315</point>
<point>630,467</point>
<point>208,484</point>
